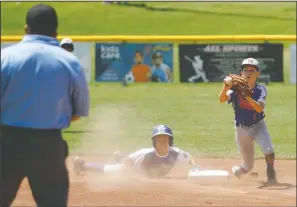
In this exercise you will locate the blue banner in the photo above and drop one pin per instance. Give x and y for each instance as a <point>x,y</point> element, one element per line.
<point>139,62</point>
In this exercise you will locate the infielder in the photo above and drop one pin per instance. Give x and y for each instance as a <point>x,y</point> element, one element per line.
<point>197,64</point>
<point>152,162</point>
<point>249,120</point>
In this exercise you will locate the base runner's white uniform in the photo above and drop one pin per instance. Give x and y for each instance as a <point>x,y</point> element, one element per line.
<point>147,162</point>
<point>144,162</point>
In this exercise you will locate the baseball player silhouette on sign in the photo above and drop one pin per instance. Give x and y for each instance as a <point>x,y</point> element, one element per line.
<point>197,64</point>
<point>249,120</point>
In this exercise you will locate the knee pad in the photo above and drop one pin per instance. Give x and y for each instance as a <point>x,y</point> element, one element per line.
<point>268,151</point>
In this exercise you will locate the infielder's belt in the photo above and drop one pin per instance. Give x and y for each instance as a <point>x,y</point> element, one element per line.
<point>245,125</point>
<point>248,125</point>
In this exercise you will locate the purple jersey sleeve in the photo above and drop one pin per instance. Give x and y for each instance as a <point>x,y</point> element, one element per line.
<point>263,94</point>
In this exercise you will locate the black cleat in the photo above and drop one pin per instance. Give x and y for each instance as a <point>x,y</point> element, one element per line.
<point>271,176</point>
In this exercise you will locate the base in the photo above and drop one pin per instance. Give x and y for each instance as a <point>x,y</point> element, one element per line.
<point>208,174</point>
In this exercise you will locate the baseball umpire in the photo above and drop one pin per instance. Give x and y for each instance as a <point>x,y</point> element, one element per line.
<point>43,89</point>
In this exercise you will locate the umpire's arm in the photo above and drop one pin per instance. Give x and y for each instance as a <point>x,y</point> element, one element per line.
<point>5,73</point>
<point>80,93</point>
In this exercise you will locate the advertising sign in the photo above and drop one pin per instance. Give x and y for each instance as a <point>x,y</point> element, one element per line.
<point>142,62</point>
<point>213,62</point>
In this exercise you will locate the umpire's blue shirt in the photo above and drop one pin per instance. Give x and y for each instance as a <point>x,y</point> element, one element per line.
<point>42,85</point>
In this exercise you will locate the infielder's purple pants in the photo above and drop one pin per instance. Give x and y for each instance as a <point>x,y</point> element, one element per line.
<point>38,155</point>
<point>245,137</point>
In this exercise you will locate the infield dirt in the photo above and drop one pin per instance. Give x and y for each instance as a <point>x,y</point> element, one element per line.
<point>94,190</point>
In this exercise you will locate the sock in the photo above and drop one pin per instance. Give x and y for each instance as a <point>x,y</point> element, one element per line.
<point>270,160</point>
<point>94,167</point>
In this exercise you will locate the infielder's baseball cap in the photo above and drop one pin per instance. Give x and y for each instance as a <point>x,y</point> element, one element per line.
<point>252,62</point>
<point>162,129</point>
<point>42,19</point>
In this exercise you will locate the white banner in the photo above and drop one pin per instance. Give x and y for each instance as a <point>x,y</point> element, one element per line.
<point>6,44</point>
<point>82,50</point>
<point>293,64</point>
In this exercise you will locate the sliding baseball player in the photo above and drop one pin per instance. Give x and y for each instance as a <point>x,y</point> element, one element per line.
<point>152,162</point>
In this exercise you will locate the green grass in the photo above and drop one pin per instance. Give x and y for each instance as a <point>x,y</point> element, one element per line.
<point>202,125</point>
<point>205,18</point>
<point>122,118</point>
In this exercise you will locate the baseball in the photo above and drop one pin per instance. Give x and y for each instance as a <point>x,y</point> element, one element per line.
<point>228,80</point>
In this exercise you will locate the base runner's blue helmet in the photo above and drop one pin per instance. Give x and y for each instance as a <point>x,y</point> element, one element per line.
<point>162,129</point>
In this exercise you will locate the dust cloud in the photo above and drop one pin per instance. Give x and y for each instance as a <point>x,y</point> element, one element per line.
<point>118,128</point>
<point>113,128</point>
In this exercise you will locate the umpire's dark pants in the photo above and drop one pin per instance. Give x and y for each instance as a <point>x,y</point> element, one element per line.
<point>38,155</point>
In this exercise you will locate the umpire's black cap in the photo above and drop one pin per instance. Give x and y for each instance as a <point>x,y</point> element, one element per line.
<point>42,19</point>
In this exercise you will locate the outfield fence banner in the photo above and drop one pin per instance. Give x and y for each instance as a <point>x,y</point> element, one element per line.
<point>293,64</point>
<point>213,62</point>
<point>82,50</point>
<point>6,44</point>
<point>114,62</point>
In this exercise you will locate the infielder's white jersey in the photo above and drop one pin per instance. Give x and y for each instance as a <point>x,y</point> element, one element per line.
<point>147,161</point>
